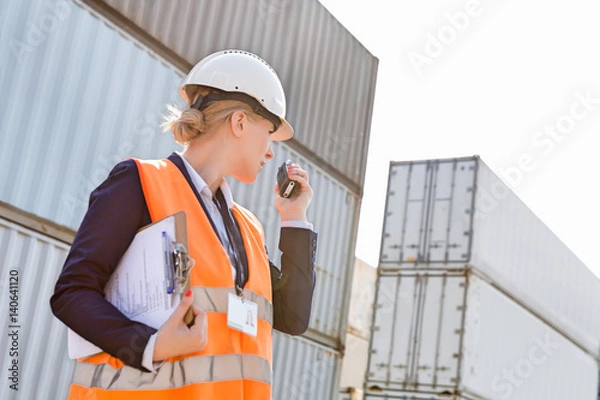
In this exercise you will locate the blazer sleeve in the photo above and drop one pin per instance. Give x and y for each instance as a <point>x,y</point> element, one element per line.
<point>117,209</point>
<point>294,284</point>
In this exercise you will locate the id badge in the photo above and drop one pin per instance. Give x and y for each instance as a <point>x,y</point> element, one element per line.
<point>242,314</point>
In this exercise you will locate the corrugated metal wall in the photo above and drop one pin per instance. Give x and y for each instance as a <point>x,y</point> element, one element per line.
<point>32,339</point>
<point>303,369</point>
<point>74,102</point>
<point>79,95</point>
<point>328,76</point>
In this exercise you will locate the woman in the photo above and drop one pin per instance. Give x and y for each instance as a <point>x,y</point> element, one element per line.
<point>237,106</point>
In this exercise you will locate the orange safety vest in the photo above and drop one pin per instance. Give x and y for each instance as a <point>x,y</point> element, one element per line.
<point>233,365</point>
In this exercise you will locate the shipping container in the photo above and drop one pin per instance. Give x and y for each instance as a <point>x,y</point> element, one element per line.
<point>450,213</point>
<point>34,345</point>
<point>328,75</point>
<point>455,333</point>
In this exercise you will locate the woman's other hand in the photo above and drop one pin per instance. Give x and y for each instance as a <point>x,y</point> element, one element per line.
<point>175,338</point>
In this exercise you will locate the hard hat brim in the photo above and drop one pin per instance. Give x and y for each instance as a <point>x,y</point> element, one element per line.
<point>284,132</point>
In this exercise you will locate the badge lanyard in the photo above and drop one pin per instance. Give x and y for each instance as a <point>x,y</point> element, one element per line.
<point>242,314</point>
<point>237,250</point>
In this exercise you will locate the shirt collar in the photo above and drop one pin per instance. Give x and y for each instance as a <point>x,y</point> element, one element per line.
<point>202,187</point>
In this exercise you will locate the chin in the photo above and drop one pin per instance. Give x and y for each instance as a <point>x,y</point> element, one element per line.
<point>246,178</point>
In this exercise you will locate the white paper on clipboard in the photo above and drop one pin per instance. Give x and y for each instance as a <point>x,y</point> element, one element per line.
<point>138,286</point>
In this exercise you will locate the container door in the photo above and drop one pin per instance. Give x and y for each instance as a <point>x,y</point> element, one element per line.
<point>405,213</point>
<point>417,332</point>
<point>451,202</point>
<point>428,213</point>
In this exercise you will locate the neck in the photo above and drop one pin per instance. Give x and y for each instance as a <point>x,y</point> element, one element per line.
<point>209,160</point>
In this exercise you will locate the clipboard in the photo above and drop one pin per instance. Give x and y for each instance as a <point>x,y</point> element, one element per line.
<point>149,280</point>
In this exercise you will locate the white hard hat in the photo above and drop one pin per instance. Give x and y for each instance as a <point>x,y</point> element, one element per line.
<point>240,75</point>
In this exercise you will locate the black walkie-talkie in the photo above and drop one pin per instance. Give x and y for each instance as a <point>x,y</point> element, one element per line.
<point>286,185</point>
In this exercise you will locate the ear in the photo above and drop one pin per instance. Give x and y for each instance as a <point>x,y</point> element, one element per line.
<point>238,123</point>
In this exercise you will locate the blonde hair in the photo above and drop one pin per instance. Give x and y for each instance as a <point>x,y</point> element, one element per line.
<point>189,124</point>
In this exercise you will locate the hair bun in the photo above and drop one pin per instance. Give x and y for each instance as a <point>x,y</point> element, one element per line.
<point>186,125</point>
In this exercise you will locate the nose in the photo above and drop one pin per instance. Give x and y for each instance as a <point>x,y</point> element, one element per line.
<point>269,153</point>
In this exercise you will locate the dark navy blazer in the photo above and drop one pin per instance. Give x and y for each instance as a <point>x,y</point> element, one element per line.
<point>117,210</point>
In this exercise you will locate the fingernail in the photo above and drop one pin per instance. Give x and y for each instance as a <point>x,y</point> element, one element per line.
<point>188,293</point>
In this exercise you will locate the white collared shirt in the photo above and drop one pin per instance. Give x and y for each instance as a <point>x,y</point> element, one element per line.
<point>213,211</point>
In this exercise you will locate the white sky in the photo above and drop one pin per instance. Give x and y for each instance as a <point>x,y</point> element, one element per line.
<point>513,68</point>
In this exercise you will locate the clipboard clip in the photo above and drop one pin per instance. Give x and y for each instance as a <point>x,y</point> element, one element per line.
<point>182,265</point>
<point>178,265</point>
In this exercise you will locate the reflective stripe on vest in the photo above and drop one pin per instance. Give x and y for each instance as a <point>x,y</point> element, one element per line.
<point>233,365</point>
<point>215,300</point>
<point>175,374</point>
